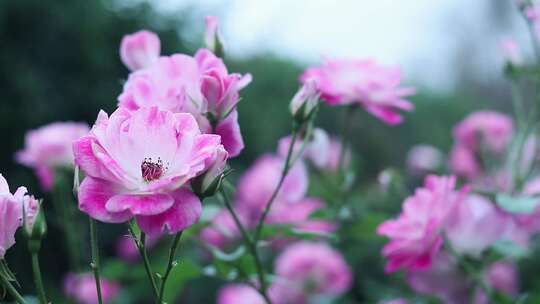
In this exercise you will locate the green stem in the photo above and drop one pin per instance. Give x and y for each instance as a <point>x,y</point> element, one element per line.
<point>11,290</point>
<point>95,257</point>
<point>141,246</point>
<point>235,217</point>
<point>37,279</point>
<point>252,247</point>
<point>170,265</point>
<point>286,168</point>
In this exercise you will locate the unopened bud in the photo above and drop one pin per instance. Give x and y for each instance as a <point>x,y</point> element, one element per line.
<point>304,102</point>
<point>208,183</point>
<point>212,36</point>
<point>34,222</point>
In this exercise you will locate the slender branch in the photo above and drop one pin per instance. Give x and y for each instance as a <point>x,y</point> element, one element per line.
<point>170,265</point>
<point>11,290</point>
<point>95,257</point>
<point>286,168</point>
<point>38,281</point>
<point>235,217</point>
<point>141,246</point>
<point>252,247</point>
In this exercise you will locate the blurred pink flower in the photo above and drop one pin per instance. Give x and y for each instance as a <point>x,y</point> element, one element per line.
<point>50,147</point>
<point>422,159</point>
<point>463,162</point>
<point>415,237</point>
<point>82,288</point>
<point>484,130</point>
<point>503,276</point>
<point>136,165</point>
<point>442,279</point>
<point>140,50</point>
<point>394,301</point>
<point>323,151</point>
<point>511,52</point>
<point>127,250</point>
<point>222,230</point>
<point>533,14</point>
<point>365,82</point>
<point>307,269</point>
<point>257,184</point>
<point>239,294</point>
<point>474,225</point>
<point>11,214</point>
<point>317,149</point>
<point>200,85</point>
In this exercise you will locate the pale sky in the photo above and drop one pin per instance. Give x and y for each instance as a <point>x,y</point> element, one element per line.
<point>422,36</point>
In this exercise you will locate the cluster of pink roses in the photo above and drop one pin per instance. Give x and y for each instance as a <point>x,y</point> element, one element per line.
<point>166,147</point>
<point>176,120</point>
<point>439,225</point>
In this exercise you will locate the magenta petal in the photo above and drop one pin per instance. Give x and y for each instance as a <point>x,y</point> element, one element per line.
<point>231,138</point>
<point>184,213</point>
<point>140,204</point>
<point>94,194</point>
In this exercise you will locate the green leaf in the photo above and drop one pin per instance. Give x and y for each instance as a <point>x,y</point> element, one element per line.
<point>510,249</point>
<point>518,204</point>
<point>228,257</point>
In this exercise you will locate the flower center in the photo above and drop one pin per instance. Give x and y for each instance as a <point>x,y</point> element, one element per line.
<point>152,170</point>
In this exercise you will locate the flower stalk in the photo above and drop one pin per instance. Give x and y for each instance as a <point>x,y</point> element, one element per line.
<point>170,265</point>
<point>95,257</point>
<point>252,247</point>
<point>140,243</point>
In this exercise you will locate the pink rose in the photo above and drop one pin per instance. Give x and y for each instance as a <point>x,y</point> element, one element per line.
<point>415,236</point>
<point>50,147</point>
<point>307,269</point>
<point>488,129</point>
<point>364,82</point>
<point>138,164</point>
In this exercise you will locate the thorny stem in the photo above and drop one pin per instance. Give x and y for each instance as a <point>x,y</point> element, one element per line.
<point>95,257</point>
<point>286,168</point>
<point>140,242</point>
<point>252,247</point>
<point>170,265</point>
